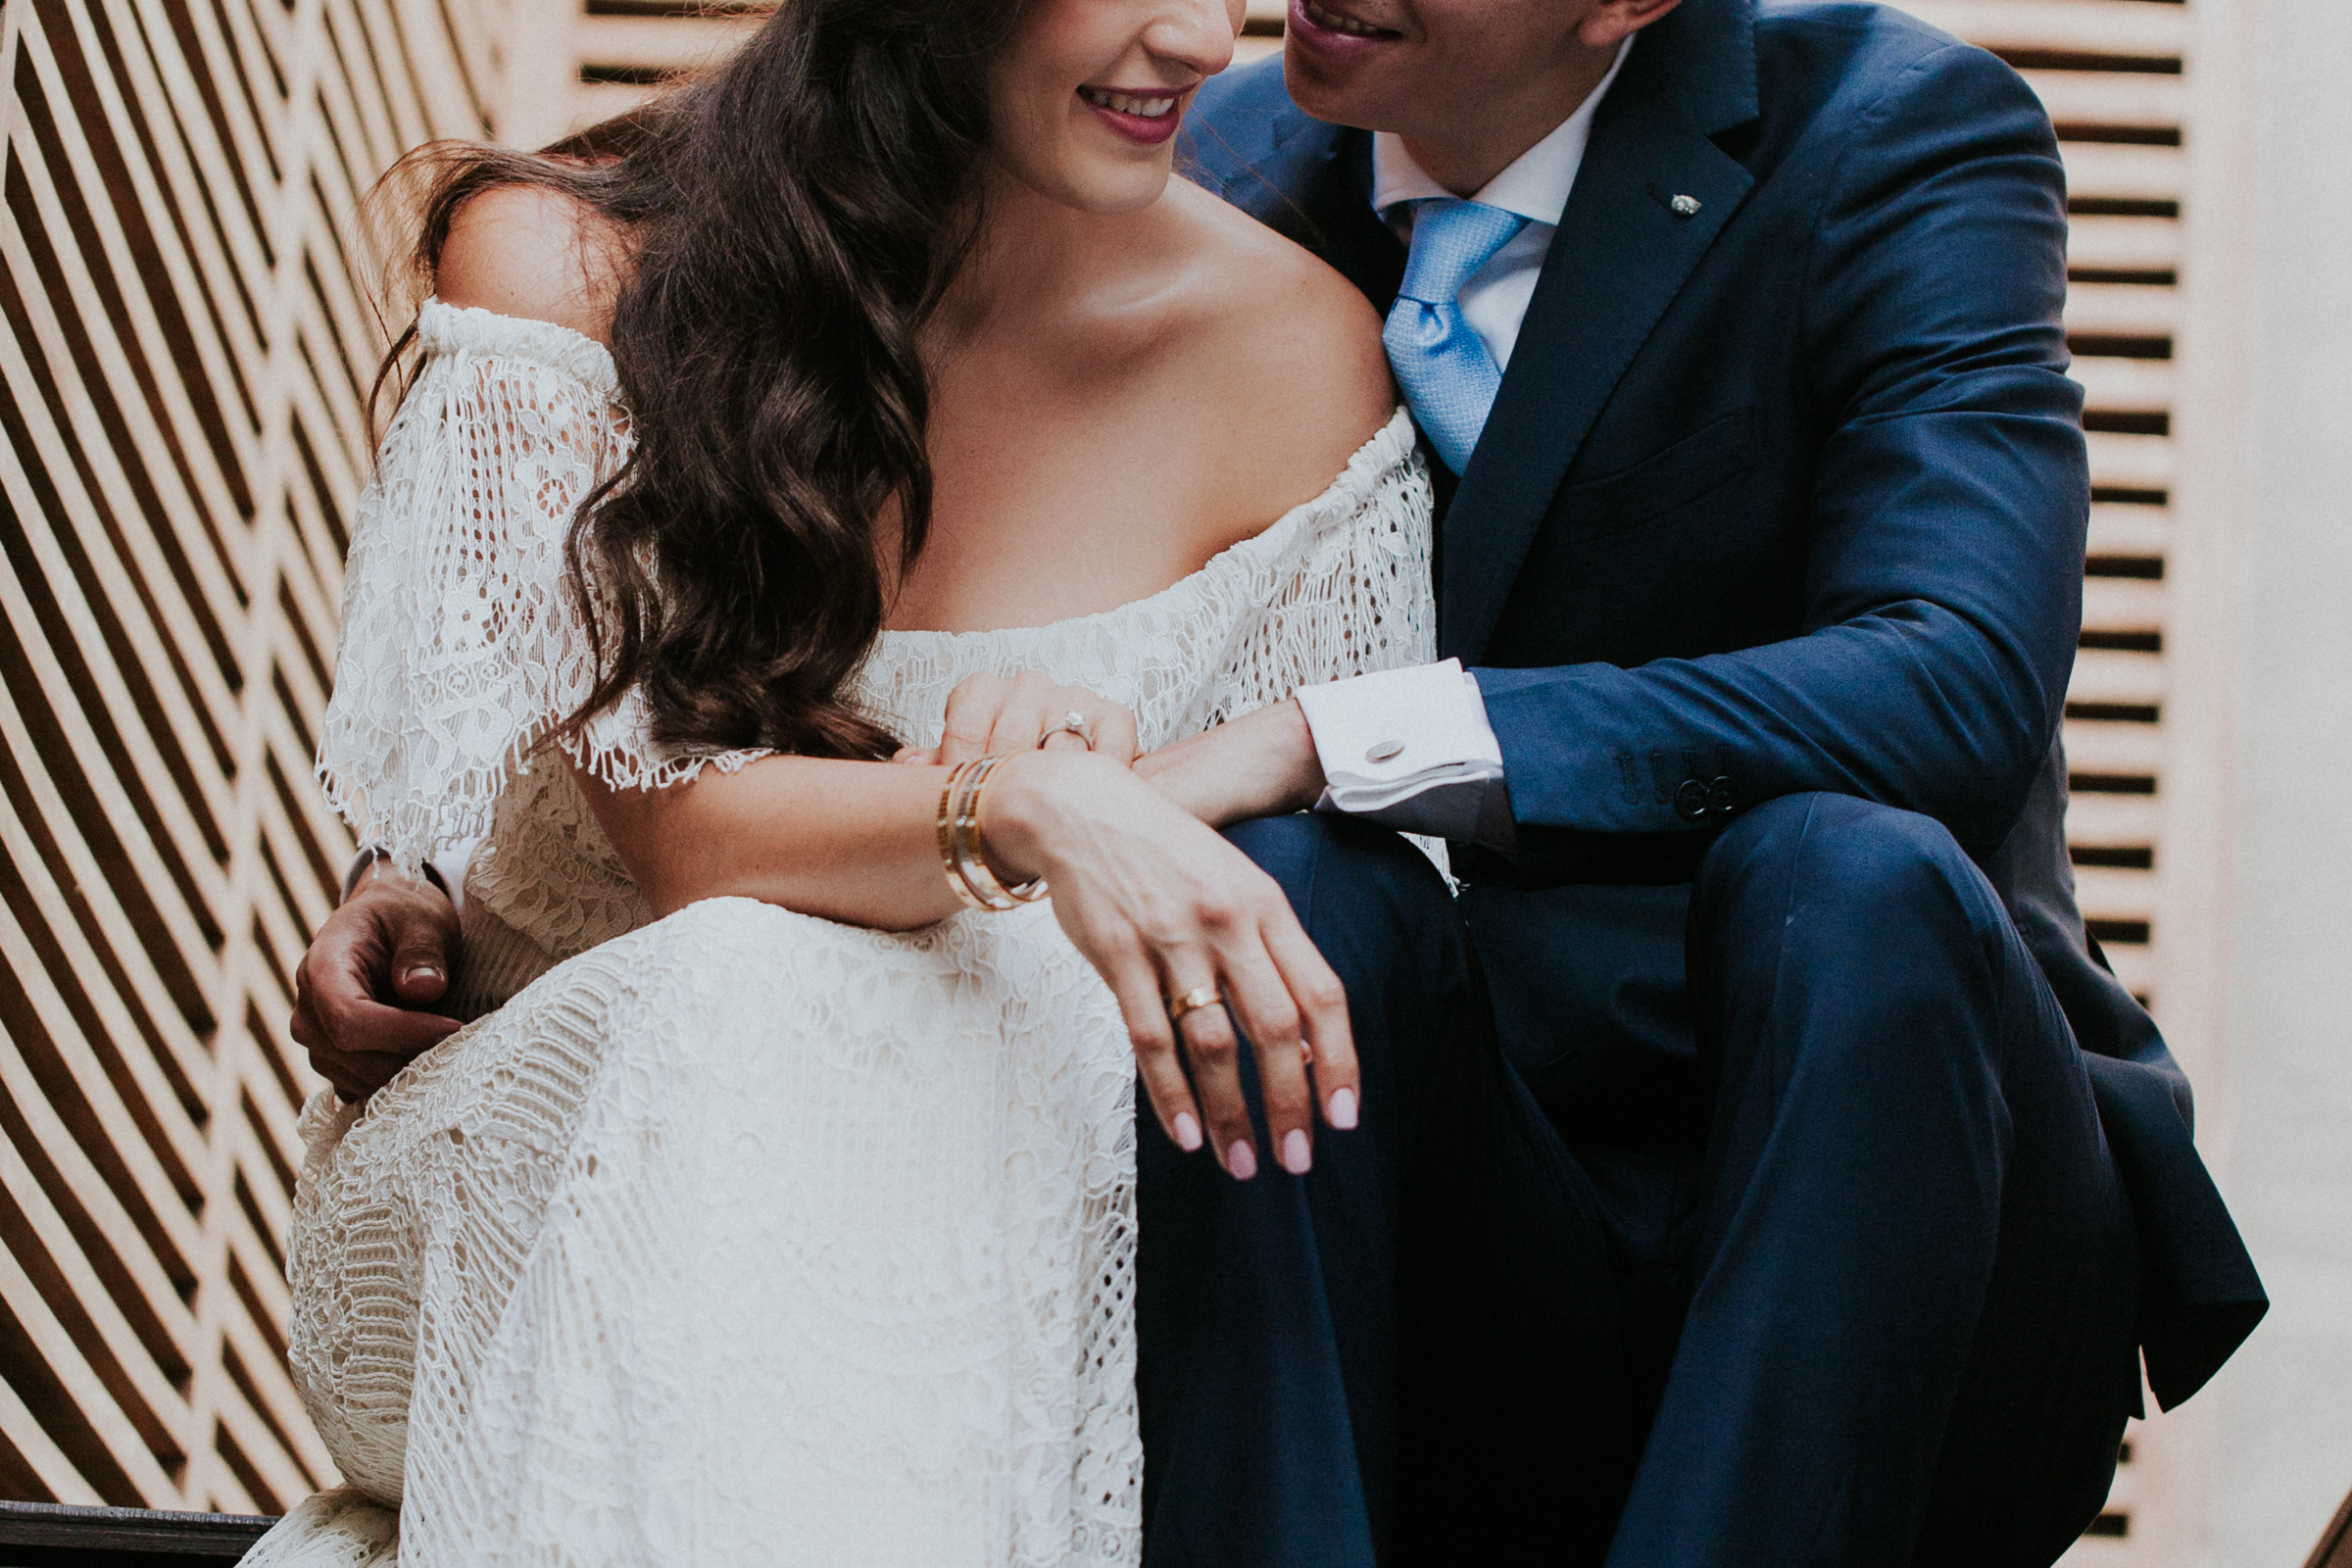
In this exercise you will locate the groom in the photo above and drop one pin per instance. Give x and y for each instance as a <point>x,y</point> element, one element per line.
<point>1734,333</point>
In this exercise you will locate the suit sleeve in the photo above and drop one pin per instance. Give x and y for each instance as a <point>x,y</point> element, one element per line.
<point>1945,532</point>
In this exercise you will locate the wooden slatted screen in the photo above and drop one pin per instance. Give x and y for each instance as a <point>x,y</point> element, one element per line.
<point>183,360</point>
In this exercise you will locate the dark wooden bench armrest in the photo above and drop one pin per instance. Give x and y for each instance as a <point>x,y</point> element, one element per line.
<point>48,1534</point>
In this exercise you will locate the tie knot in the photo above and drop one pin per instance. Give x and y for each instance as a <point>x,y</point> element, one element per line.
<point>1452,239</point>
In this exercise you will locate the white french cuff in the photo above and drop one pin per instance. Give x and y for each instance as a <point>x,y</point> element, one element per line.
<point>1408,748</point>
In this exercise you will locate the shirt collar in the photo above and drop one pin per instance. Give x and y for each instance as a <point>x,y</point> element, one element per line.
<point>1535,185</point>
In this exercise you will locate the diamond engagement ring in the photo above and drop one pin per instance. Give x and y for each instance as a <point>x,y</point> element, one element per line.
<point>1072,722</point>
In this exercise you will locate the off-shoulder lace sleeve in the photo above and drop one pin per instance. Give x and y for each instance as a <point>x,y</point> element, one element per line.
<point>1351,594</point>
<point>461,647</point>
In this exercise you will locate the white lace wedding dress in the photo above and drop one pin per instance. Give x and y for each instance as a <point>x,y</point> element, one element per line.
<point>738,1237</point>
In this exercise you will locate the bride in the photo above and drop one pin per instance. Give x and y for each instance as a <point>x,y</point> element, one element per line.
<point>805,505</point>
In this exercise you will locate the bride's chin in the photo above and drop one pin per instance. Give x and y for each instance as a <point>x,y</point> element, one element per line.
<point>1133,195</point>
<point>1101,185</point>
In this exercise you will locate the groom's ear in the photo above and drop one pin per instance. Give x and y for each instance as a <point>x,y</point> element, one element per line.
<point>1611,21</point>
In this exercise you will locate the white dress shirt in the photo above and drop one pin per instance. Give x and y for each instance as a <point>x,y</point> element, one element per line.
<point>1535,186</point>
<point>1412,748</point>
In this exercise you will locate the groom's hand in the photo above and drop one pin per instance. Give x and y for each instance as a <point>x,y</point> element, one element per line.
<point>364,990</point>
<point>1260,765</point>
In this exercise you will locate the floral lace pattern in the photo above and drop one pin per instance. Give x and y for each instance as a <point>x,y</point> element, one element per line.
<point>738,1236</point>
<point>462,645</point>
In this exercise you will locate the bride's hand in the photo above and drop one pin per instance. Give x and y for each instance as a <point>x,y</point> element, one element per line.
<point>1163,907</point>
<point>997,715</point>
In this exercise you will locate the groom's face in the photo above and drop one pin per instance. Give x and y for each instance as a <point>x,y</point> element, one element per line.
<point>1424,68</point>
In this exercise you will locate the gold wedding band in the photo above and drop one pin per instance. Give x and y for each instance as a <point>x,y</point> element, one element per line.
<point>1193,1002</point>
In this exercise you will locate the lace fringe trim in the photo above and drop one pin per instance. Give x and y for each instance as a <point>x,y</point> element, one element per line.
<point>612,748</point>
<point>411,832</point>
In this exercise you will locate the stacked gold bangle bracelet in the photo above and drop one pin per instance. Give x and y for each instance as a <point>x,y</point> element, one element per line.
<point>959,843</point>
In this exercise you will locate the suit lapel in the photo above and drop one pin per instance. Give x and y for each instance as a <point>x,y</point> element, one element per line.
<point>1620,256</point>
<point>1344,230</point>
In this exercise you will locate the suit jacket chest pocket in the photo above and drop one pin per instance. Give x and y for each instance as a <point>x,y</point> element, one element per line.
<point>1668,479</point>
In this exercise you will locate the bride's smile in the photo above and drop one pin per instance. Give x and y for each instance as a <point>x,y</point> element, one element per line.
<point>1086,96</point>
<point>1148,116</point>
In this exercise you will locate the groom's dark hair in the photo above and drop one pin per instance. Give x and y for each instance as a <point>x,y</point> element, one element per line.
<point>790,221</point>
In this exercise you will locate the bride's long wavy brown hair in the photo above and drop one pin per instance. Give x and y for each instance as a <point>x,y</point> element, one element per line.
<point>791,221</point>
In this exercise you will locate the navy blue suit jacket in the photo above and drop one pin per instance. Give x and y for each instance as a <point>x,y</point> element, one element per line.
<point>1789,492</point>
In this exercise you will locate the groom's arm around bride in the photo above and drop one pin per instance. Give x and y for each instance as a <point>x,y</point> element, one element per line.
<point>1766,506</point>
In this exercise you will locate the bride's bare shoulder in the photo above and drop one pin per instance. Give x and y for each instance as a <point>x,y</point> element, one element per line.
<point>534,252</point>
<point>1287,342</point>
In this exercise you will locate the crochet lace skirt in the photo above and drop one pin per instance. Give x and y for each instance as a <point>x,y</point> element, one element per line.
<point>743,1238</point>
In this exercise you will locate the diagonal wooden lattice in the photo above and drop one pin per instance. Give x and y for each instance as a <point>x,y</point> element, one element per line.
<point>184,359</point>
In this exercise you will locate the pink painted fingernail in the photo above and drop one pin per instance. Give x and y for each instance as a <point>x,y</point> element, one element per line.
<point>1342,1108</point>
<point>1296,1158</point>
<point>1188,1132</point>
<point>1241,1160</point>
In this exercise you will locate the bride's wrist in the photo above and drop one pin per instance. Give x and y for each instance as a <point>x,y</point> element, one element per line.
<point>1018,811</point>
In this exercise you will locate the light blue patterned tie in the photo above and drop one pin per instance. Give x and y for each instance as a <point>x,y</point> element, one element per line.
<point>1442,364</point>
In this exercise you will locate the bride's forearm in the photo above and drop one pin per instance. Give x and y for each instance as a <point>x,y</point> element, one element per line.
<point>853,842</point>
<point>858,841</point>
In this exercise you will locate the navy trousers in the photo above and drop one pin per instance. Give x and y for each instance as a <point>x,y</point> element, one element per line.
<point>1410,1351</point>
<point>1878,1275</point>
<point>1832,1247</point>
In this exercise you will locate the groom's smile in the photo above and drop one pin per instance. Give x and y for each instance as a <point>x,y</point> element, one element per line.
<point>1333,32</point>
<point>1469,84</point>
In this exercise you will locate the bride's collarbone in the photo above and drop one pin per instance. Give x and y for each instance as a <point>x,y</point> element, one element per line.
<point>1043,516</point>
<point>1094,458</point>
<point>1030,557</point>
